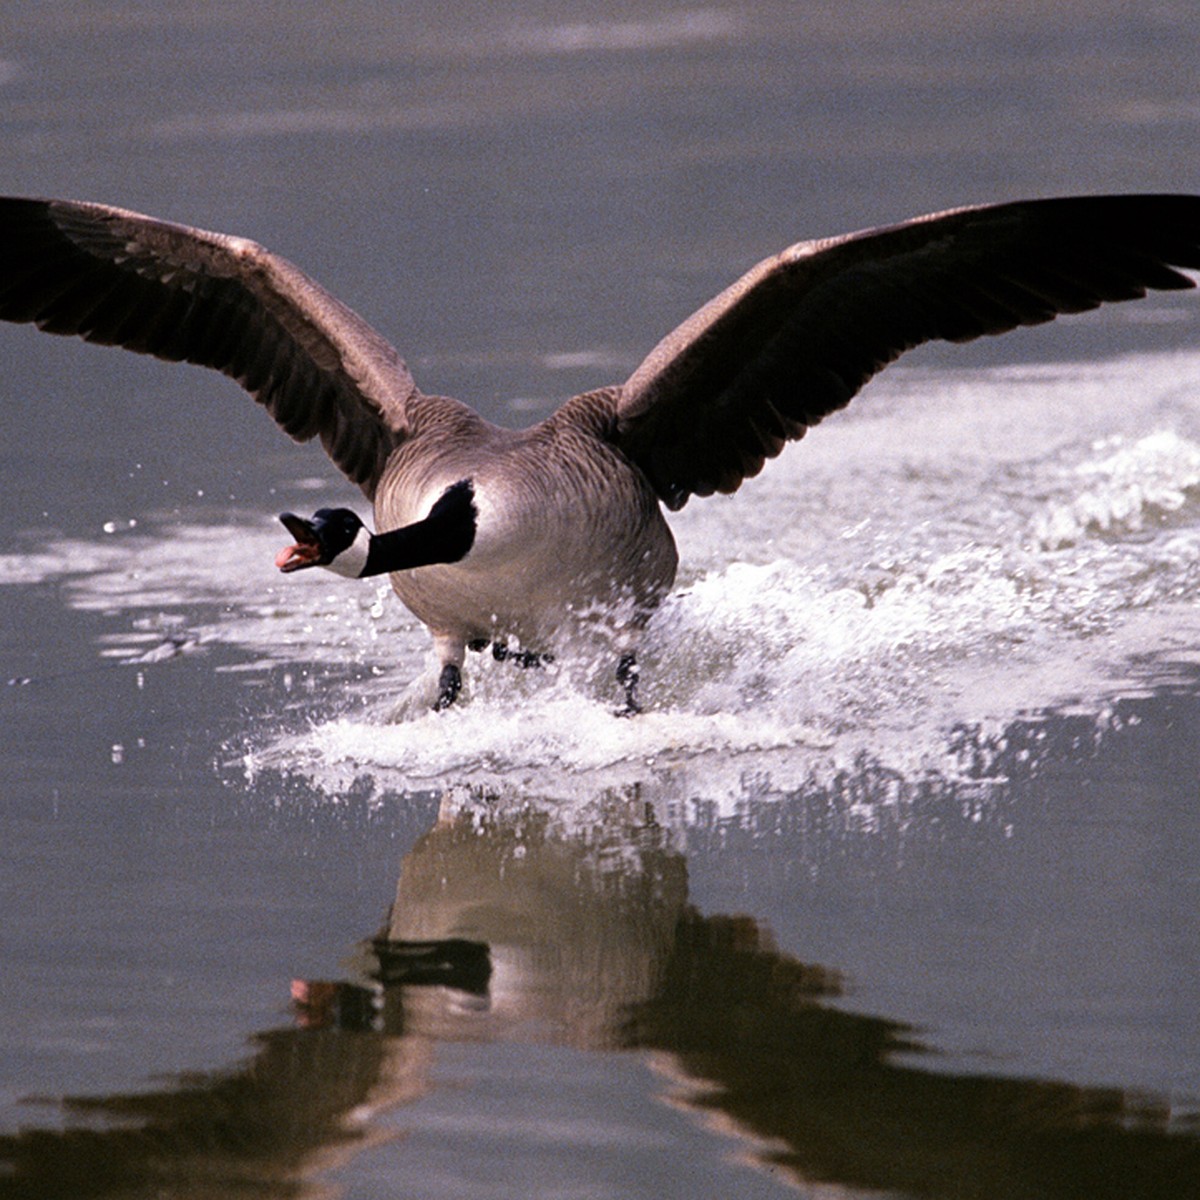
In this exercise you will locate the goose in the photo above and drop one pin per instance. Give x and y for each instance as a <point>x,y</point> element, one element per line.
<point>490,534</point>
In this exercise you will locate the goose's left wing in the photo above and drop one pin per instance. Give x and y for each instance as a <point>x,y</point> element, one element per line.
<point>797,336</point>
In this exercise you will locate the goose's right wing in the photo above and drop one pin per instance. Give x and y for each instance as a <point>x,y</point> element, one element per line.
<point>187,295</point>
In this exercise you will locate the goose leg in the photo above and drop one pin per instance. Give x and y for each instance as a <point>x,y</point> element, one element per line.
<point>449,685</point>
<point>627,677</point>
<point>450,652</point>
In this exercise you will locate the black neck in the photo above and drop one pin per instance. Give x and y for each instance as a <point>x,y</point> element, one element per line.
<point>444,536</point>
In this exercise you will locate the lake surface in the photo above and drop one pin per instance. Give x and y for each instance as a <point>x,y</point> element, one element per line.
<point>894,886</point>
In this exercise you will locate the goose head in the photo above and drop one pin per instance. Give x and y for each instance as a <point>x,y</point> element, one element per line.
<point>336,538</point>
<point>332,537</point>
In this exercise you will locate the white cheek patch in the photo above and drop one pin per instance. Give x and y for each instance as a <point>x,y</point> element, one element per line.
<point>353,559</point>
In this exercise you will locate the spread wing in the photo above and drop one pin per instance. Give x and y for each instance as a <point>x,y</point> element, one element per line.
<point>186,295</point>
<point>797,336</point>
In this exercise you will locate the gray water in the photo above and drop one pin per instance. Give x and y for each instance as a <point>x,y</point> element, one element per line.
<point>893,888</point>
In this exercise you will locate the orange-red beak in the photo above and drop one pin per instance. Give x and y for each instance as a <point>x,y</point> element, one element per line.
<point>306,552</point>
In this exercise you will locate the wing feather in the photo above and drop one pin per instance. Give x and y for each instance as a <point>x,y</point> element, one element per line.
<point>799,334</point>
<point>187,295</point>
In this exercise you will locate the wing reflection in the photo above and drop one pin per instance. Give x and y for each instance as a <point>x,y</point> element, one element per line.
<point>750,1037</point>
<point>568,922</point>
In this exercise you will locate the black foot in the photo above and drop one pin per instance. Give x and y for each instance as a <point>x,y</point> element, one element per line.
<point>627,677</point>
<point>522,658</point>
<point>449,685</point>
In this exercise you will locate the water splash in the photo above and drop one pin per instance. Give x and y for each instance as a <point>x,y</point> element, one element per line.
<point>959,550</point>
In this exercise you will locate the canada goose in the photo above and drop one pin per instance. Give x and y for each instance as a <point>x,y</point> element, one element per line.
<point>490,533</point>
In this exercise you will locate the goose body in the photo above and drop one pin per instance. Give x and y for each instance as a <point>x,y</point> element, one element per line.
<point>490,533</point>
<point>567,531</point>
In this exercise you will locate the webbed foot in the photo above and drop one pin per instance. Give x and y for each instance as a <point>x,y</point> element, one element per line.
<point>522,658</point>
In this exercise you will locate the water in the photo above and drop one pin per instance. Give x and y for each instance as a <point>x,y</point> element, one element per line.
<point>891,889</point>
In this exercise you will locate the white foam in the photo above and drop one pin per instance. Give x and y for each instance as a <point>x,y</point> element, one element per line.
<point>957,550</point>
<point>1123,487</point>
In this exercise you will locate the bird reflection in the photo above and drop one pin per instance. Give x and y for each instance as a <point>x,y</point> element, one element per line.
<point>569,922</point>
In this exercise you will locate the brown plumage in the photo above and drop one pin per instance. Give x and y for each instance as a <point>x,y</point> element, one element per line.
<point>565,516</point>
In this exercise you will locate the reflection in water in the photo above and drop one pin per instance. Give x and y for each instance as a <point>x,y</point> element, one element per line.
<point>577,906</point>
<point>252,1131</point>
<point>751,1039</point>
<point>569,923</point>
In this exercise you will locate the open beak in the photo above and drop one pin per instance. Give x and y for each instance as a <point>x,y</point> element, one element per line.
<point>306,552</point>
